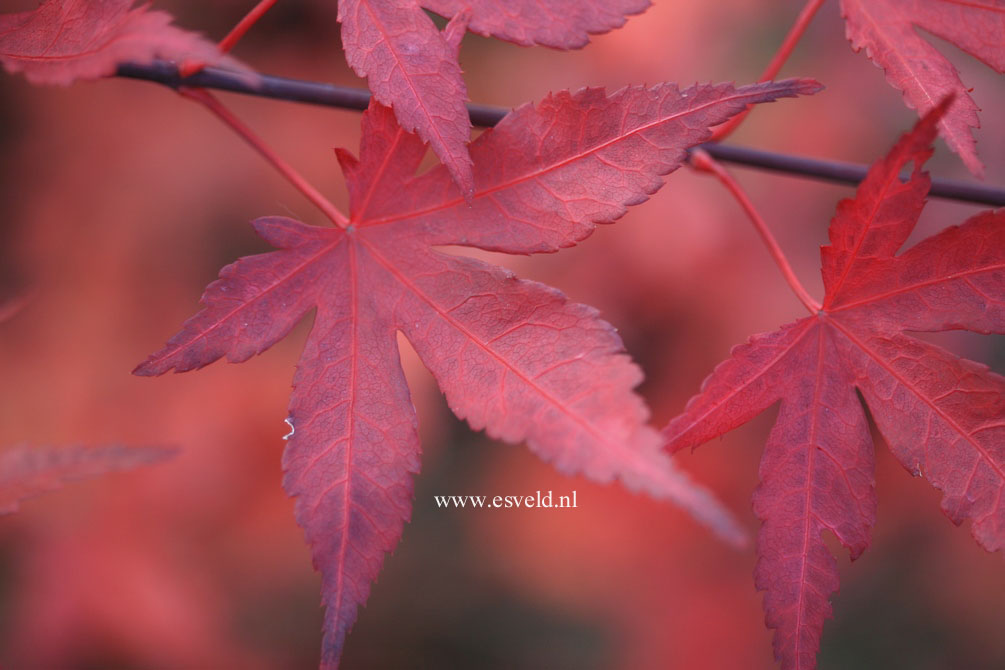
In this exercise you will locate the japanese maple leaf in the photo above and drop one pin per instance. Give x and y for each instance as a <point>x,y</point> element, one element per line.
<point>411,66</point>
<point>513,357</point>
<point>26,471</point>
<point>943,417</point>
<point>65,40</point>
<point>888,31</point>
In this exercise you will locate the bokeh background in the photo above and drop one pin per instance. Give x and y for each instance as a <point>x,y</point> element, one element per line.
<point>119,202</point>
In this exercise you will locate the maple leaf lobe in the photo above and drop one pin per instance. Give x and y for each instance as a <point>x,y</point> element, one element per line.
<point>548,173</point>
<point>410,66</point>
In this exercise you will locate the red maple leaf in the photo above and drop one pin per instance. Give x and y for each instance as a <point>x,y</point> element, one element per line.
<point>412,67</point>
<point>26,471</point>
<point>888,31</point>
<point>65,40</point>
<point>513,357</point>
<point>943,417</point>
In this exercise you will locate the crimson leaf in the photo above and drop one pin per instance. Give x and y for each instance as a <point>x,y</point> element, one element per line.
<point>513,357</point>
<point>941,415</point>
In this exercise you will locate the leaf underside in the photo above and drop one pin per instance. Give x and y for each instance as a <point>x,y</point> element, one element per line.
<point>513,357</point>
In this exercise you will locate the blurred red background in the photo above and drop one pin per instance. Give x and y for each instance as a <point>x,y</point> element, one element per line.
<point>120,201</point>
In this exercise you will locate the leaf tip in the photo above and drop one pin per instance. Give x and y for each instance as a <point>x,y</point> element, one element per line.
<point>144,369</point>
<point>805,86</point>
<point>151,367</point>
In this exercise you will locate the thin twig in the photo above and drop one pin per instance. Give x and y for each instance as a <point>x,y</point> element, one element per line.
<point>703,162</point>
<point>795,33</point>
<point>234,36</point>
<point>344,97</point>
<point>212,104</point>
<point>189,68</point>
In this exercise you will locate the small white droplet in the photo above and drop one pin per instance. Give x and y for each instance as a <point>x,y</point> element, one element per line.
<point>288,435</point>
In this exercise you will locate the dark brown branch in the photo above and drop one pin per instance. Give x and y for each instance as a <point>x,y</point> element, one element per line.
<point>330,95</point>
